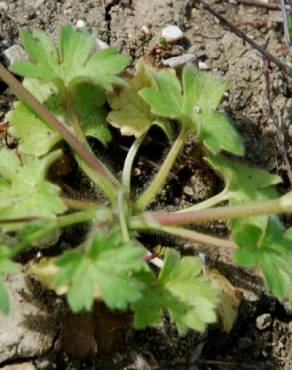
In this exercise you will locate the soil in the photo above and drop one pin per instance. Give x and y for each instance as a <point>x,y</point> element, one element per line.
<point>262,335</point>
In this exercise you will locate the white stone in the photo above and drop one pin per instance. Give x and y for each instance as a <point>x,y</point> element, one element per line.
<point>3,5</point>
<point>179,61</point>
<point>100,45</point>
<point>80,23</point>
<point>203,65</point>
<point>172,33</point>
<point>14,54</point>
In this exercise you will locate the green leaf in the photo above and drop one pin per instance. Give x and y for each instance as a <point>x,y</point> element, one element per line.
<point>245,184</point>
<point>201,90</point>
<point>109,269</point>
<point>89,100</point>
<point>166,100</point>
<point>76,59</point>
<point>24,192</point>
<point>218,134</point>
<point>130,113</point>
<point>6,266</point>
<point>182,291</point>
<point>193,104</point>
<point>35,136</point>
<point>272,253</point>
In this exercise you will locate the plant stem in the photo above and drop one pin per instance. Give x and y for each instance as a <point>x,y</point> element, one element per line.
<point>135,223</point>
<point>211,202</point>
<point>98,179</point>
<point>279,205</point>
<point>122,217</point>
<point>128,164</point>
<point>199,237</point>
<point>63,221</point>
<point>79,204</point>
<point>163,172</point>
<point>48,117</point>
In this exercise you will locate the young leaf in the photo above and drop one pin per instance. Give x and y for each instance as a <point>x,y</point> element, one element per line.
<point>181,290</point>
<point>24,192</point>
<point>194,104</point>
<point>76,60</point>
<point>271,253</point>
<point>109,269</point>
<point>245,184</point>
<point>6,266</point>
<point>130,112</point>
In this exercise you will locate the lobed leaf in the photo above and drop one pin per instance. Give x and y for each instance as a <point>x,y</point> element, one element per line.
<point>74,60</point>
<point>24,192</point>
<point>272,253</point>
<point>188,296</point>
<point>110,269</point>
<point>194,105</point>
<point>245,184</point>
<point>130,113</point>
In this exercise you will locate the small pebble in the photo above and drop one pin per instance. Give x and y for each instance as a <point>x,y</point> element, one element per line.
<point>100,45</point>
<point>179,61</point>
<point>264,321</point>
<point>172,33</point>
<point>14,54</point>
<point>3,5</point>
<point>80,24</point>
<point>203,65</point>
<point>146,30</point>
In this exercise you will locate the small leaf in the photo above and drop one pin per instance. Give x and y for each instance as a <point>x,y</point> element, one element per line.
<point>182,291</point>
<point>130,112</point>
<point>110,269</point>
<point>24,192</point>
<point>272,253</point>
<point>76,59</point>
<point>194,106</point>
<point>245,184</point>
<point>166,100</point>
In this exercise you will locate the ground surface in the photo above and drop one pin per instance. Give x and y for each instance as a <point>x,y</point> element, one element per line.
<point>47,337</point>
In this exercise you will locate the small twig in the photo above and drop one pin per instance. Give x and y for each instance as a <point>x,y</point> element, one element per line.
<point>275,120</point>
<point>260,4</point>
<point>286,69</point>
<point>286,26</point>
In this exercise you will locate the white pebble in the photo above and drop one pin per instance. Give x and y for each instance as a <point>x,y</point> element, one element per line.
<point>3,5</point>
<point>172,33</point>
<point>179,61</point>
<point>100,45</point>
<point>146,30</point>
<point>203,65</point>
<point>80,24</point>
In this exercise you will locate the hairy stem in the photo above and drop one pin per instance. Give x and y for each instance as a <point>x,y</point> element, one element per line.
<point>79,204</point>
<point>162,174</point>
<point>135,223</point>
<point>279,205</point>
<point>127,170</point>
<point>63,221</point>
<point>48,117</point>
